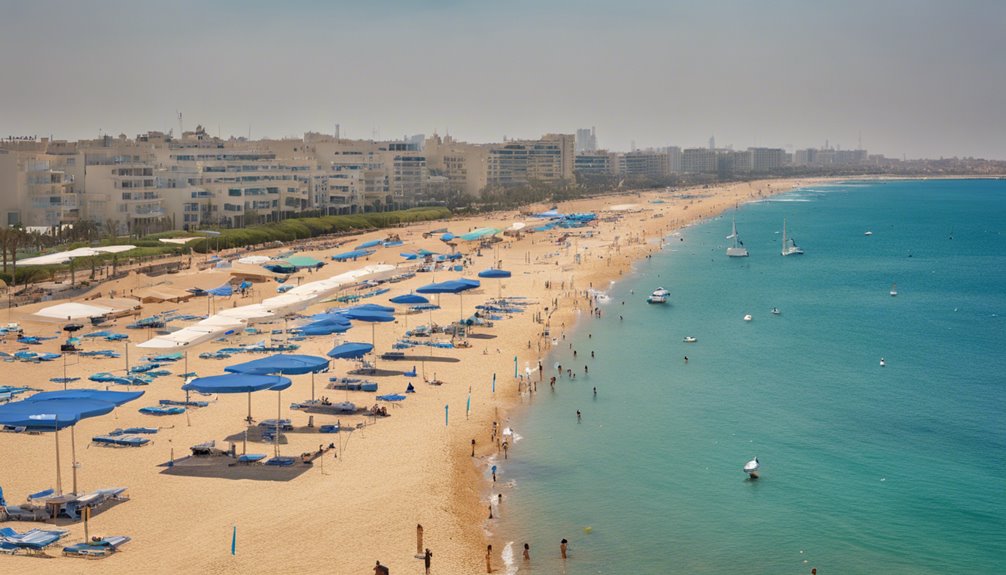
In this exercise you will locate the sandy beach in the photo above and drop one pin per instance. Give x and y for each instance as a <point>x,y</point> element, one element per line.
<point>362,501</point>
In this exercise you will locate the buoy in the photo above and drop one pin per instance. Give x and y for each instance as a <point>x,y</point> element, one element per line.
<point>588,529</point>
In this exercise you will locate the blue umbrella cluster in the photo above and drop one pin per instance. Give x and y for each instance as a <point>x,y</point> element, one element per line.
<point>53,410</point>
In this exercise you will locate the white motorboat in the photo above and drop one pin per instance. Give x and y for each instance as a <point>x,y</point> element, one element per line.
<point>775,311</point>
<point>658,296</point>
<point>790,248</point>
<point>868,233</point>
<point>883,363</point>
<point>748,317</point>
<point>752,467</point>
<point>894,290</point>
<point>690,339</point>
<point>737,250</point>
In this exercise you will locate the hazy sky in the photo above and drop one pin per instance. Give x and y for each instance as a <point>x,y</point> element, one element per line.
<point>914,77</point>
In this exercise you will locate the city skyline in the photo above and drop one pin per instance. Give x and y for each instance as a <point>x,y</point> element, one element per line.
<point>900,78</point>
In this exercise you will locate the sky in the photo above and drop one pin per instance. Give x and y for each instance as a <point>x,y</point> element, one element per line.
<point>907,78</point>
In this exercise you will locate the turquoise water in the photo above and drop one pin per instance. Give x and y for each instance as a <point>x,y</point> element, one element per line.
<point>865,469</point>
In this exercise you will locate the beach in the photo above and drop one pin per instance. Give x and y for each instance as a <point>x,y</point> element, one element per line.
<point>362,501</point>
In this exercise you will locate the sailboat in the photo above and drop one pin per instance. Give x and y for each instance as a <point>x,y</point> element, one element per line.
<point>791,248</point>
<point>894,290</point>
<point>752,467</point>
<point>737,250</point>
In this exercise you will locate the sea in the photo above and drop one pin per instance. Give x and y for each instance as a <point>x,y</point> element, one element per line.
<point>864,468</point>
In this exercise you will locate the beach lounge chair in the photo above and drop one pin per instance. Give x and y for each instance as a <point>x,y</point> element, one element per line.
<point>184,403</point>
<point>140,430</point>
<point>251,458</point>
<point>120,440</point>
<point>270,424</point>
<point>162,410</point>
<point>281,461</point>
<point>34,541</point>
<point>329,428</point>
<point>99,547</point>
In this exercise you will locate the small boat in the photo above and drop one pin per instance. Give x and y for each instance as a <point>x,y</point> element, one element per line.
<point>748,317</point>
<point>751,468</point>
<point>883,363</point>
<point>894,290</point>
<point>868,233</point>
<point>658,296</point>
<point>690,339</point>
<point>775,311</point>
<point>737,250</point>
<point>789,249</point>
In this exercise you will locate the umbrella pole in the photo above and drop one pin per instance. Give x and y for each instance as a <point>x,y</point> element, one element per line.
<point>275,446</point>
<point>64,371</point>
<point>249,408</point>
<point>373,343</point>
<point>59,478</point>
<point>312,386</point>
<point>73,456</point>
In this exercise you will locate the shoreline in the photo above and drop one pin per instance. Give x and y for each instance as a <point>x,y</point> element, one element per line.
<point>391,474</point>
<point>601,280</point>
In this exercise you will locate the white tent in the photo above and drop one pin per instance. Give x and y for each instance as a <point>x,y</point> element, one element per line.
<point>69,311</point>
<point>254,260</point>
<point>63,257</point>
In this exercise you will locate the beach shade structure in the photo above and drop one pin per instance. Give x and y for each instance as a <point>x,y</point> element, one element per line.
<point>223,291</point>
<point>408,299</point>
<point>324,327</point>
<point>238,383</point>
<point>409,255</point>
<point>370,244</point>
<point>372,307</point>
<point>371,316</point>
<point>300,262</point>
<point>495,273</point>
<point>280,267</point>
<point>451,286</point>
<point>350,350</point>
<point>53,415</point>
<point>283,364</point>
<point>71,311</point>
<point>352,255</point>
<point>391,397</point>
<point>447,237</point>
<point>479,234</point>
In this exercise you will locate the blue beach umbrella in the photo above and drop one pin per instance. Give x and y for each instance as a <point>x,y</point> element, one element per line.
<point>238,383</point>
<point>350,350</point>
<point>52,415</point>
<point>409,299</point>
<point>451,286</point>
<point>391,397</point>
<point>283,364</point>
<point>495,273</point>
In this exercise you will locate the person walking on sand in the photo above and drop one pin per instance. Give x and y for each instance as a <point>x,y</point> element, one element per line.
<point>426,560</point>
<point>562,548</point>
<point>489,558</point>
<point>380,569</point>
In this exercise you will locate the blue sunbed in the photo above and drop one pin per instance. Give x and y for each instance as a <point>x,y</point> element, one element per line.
<point>281,461</point>
<point>184,403</point>
<point>251,458</point>
<point>120,440</point>
<point>99,548</point>
<point>162,410</point>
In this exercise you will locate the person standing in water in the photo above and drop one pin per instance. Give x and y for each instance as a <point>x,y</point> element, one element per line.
<point>527,552</point>
<point>562,547</point>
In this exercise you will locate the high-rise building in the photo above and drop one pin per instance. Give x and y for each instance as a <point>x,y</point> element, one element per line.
<point>586,140</point>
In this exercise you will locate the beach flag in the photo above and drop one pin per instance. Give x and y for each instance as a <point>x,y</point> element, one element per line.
<point>494,383</point>
<point>234,540</point>
<point>446,414</point>
<point>515,367</point>
<point>468,406</point>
